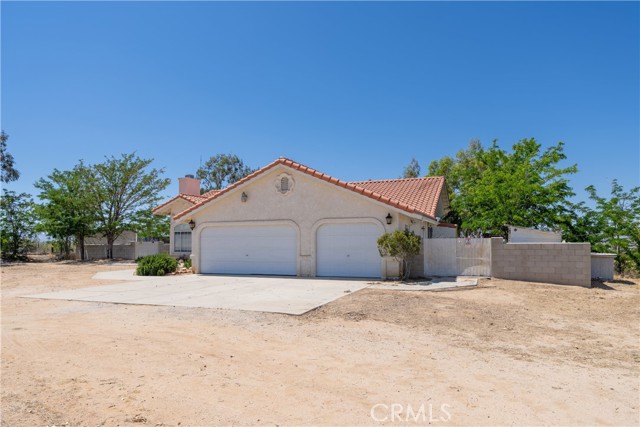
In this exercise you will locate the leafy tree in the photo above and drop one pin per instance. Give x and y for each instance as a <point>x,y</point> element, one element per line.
<point>67,211</point>
<point>580,224</point>
<point>17,224</point>
<point>451,168</point>
<point>222,170</point>
<point>401,245</point>
<point>119,188</point>
<point>412,170</point>
<point>8,172</point>
<point>617,225</point>
<point>491,188</point>
<point>148,225</point>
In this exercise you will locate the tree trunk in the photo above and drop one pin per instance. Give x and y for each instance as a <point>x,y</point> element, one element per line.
<point>110,241</point>
<point>66,248</point>
<point>81,244</point>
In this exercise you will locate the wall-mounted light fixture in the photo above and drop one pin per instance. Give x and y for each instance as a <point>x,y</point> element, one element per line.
<point>244,197</point>
<point>192,225</point>
<point>389,218</point>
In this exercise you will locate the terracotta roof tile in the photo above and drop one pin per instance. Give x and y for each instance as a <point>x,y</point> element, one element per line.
<point>188,197</point>
<point>419,194</point>
<point>415,195</point>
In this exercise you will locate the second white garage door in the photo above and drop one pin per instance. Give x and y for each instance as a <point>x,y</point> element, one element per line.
<point>264,249</point>
<point>348,250</point>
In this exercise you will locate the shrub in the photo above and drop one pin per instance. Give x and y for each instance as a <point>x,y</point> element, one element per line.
<point>156,265</point>
<point>187,263</point>
<point>400,245</point>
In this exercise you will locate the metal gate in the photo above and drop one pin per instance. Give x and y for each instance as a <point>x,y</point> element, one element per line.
<point>457,257</point>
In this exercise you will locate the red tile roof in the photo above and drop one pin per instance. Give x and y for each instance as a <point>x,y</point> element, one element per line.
<point>188,197</point>
<point>395,193</point>
<point>422,194</point>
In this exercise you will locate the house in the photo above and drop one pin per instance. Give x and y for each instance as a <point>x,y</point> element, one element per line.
<point>289,219</point>
<point>531,235</point>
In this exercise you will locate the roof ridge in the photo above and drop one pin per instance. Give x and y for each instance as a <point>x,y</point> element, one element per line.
<point>397,179</point>
<point>352,186</point>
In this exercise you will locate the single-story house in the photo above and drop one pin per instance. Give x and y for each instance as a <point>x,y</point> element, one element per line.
<point>531,235</point>
<point>289,219</point>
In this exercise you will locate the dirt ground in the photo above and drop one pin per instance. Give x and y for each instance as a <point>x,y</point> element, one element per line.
<point>504,353</point>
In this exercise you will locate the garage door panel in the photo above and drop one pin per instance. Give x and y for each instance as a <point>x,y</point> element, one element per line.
<point>348,250</point>
<point>249,250</point>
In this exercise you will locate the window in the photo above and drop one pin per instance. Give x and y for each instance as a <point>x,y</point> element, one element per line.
<point>182,238</point>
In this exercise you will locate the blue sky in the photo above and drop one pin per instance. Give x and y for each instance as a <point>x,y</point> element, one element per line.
<point>352,89</point>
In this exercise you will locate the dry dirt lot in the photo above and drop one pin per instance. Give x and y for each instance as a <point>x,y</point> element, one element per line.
<point>505,353</point>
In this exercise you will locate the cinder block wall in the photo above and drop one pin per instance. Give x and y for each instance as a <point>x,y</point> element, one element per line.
<point>561,263</point>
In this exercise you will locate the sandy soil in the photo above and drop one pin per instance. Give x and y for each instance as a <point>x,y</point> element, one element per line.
<point>505,353</point>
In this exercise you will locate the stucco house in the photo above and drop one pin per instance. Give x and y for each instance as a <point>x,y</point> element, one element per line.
<point>289,219</point>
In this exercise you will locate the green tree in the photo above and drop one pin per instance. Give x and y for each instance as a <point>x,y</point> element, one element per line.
<point>467,161</point>
<point>17,224</point>
<point>580,224</point>
<point>119,188</point>
<point>222,170</point>
<point>491,188</point>
<point>66,211</point>
<point>8,172</point>
<point>412,170</point>
<point>148,225</point>
<point>617,225</point>
<point>401,245</point>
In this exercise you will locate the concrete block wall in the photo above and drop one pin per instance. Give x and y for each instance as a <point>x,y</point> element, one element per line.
<point>560,263</point>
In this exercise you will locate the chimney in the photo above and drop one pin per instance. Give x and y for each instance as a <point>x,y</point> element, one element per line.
<point>189,185</point>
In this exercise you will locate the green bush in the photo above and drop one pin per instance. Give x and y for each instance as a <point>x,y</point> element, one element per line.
<point>156,265</point>
<point>401,245</point>
<point>187,263</point>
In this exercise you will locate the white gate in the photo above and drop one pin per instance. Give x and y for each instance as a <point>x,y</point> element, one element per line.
<point>457,257</point>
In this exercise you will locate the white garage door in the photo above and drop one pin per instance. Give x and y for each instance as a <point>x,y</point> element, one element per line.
<point>264,249</point>
<point>348,250</point>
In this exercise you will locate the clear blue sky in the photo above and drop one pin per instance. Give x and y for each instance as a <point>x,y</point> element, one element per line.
<point>352,89</point>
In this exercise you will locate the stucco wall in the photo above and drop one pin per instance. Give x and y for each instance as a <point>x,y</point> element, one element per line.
<point>311,203</point>
<point>529,235</point>
<point>561,263</point>
<point>177,207</point>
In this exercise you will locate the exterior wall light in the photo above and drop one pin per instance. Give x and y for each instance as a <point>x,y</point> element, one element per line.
<point>244,197</point>
<point>192,225</point>
<point>389,218</point>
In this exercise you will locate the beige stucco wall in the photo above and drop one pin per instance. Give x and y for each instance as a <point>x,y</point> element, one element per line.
<point>311,203</point>
<point>177,207</point>
<point>561,263</point>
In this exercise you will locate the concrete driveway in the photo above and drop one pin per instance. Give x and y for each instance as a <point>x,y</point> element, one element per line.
<point>289,295</point>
